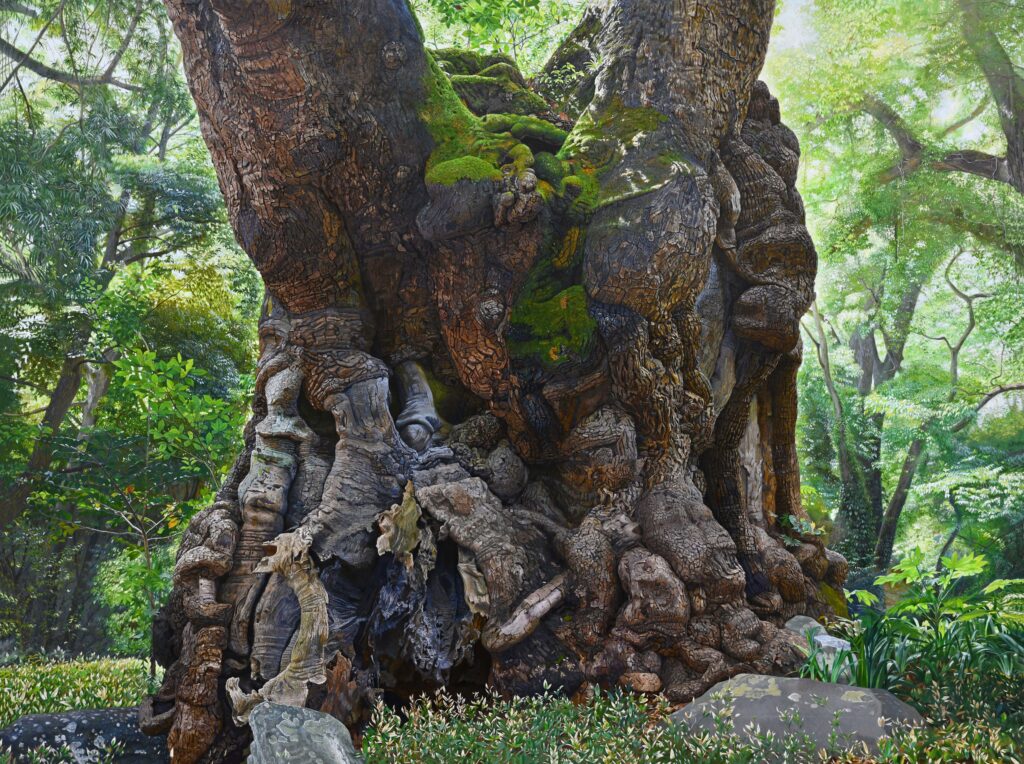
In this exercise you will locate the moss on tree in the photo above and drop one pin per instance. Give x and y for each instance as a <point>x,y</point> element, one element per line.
<point>462,61</point>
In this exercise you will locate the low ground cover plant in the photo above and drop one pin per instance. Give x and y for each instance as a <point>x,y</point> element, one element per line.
<point>618,728</point>
<point>39,686</point>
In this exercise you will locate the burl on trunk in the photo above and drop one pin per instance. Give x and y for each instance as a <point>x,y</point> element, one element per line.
<point>526,398</point>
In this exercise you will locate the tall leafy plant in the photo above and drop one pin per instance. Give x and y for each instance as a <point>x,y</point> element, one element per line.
<point>952,647</point>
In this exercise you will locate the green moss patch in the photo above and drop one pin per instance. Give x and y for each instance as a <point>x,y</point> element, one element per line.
<point>462,61</point>
<point>526,128</point>
<point>550,323</point>
<point>598,143</point>
<point>618,123</point>
<point>485,95</point>
<point>552,331</point>
<point>504,71</point>
<point>458,134</point>
<point>462,168</point>
<point>834,600</point>
<point>534,130</point>
<point>548,168</point>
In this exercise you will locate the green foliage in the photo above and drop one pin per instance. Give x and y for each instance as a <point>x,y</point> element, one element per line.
<point>113,242</point>
<point>109,754</point>
<point>619,727</point>
<point>799,528</point>
<point>878,93</point>
<point>525,30</point>
<point>128,584</point>
<point>40,687</point>
<point>161,450</point>
<point>949,646</point>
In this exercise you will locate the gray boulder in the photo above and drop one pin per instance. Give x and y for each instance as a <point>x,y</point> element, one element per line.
<point>828,645</point>
<point>804,626</point>
<point>829,717</point>
<point>808,627</point>
<point>289,734</point>
<point>87,734</point>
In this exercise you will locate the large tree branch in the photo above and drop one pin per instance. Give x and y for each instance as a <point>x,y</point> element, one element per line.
<point>12,6</point>
<point>125,42</point>
<point>22,58</point>
<point>1005,82</point>
<point>986,399</point>
<point>965,120</point>
<point>910,148</point>
<point>975,163</point>
<point>912,151</point>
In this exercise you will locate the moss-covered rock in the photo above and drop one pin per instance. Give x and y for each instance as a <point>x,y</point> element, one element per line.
<point>526,128</point>
<point>462,61</point>
<point>458,135</point>
<point>520,157</point>
<point>498,123</point>
<point>548,168</point>
<point>486,95</point>
<point>538,131</point>
<point>504,71</point>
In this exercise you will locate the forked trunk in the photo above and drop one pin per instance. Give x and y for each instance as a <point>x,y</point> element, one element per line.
<point>526,397</point>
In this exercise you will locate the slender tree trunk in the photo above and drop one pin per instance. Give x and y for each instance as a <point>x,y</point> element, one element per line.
<point>898,499</point>
<point>12,503</point>
<point>505,371</point>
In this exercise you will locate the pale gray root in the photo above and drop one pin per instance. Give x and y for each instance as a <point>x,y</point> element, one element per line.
<point>288,555</point>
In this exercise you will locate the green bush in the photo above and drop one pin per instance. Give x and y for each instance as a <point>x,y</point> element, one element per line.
<point>629,728</point>
<point>951,648</point>
<point>124,584</point>
<point>39,687</point>
<point>604,728</point>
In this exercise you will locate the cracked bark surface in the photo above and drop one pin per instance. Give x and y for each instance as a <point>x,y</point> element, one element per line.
<point>526,398</point>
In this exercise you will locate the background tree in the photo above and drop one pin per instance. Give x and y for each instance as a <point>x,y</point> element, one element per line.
<point>112,239</point>
<point>910,128</point>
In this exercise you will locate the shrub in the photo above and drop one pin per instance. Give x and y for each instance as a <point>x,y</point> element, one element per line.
<point>953,649</point>
<point>39,687</point>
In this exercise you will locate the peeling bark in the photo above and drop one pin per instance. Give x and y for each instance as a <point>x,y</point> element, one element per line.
<point>506,370</point>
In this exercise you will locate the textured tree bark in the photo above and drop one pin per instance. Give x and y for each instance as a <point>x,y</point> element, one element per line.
<point>528,395</point>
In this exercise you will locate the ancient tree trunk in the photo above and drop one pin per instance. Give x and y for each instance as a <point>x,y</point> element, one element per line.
<point>526,401</point>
